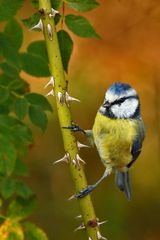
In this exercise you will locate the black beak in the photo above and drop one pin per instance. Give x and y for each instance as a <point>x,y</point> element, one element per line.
<point>106,104</point>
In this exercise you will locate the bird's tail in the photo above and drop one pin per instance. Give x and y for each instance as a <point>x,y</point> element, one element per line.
<point>123,183</point>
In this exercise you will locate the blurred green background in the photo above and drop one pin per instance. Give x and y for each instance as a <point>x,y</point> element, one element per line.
<point>128,51</point>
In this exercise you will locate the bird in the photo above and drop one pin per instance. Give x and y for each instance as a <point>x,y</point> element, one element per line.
<point>118,133</point>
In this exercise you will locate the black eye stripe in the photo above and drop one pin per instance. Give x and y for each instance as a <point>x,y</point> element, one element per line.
<point>121,100</point>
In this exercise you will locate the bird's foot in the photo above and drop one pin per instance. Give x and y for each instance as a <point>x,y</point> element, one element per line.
<point>74,128</point>
<point>84,192</point>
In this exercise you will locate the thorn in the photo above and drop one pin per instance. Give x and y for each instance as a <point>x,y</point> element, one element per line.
<point>69,99</point>
<point>64,159</point>
<point>60,97</point>
<point>74,162</point>
<point>72,197</point>
<point>89,238</point>
<point>99,236</point>
<point>82,226</point>
<point>51,93</point>
<point>37,27</point>
<point>49,30</point>
<point>79,216</point>
<point>53,13</point>
<point>81,145</point>
<point>79,159</point>
<point>100,223</point>
<point>51,82</point>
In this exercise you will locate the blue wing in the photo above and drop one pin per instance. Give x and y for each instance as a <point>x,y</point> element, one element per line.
<point>137,143</point>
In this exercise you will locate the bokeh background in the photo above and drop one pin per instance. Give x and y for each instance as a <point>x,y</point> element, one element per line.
<point>128,51</point>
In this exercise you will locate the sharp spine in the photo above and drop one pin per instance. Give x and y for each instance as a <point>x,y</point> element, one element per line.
<point>79,216</point>
<point>100,223</point>
<point>37,27</point>
<point>99,236</point>
<point>81,145</point>
<point>60,98</point>
<point>81,227</point>
<point>89,238</point>
<point>79,159</point>
<point>72,197</point>
<point>51,93</point>
<point>49,30</point>
<point>66,159</point>
<point>51,82</point>
<point>74,162</point>
<point>69,99</point>
<point>53,13</point>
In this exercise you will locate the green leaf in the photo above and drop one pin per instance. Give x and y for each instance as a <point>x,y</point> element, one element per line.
<point>82,5</point>
<point>9,8</point>
<point>33,20</point>
<point>80,26</point>
<point>19,86</point>
<point>8,121</point>
<point>35,3</point>
<point>15,84</point>
<point>38,48</point>
<point>32,232</point>
<point>66,47</point>
<point>21,107</point>
<point>57,18</point>
<point>9,69</point>
<point>15,234</point>
<point>8,50</point>
<point>56,4</point>
<point>38,116</point>
<point>34,65</point>
<point>38,100</point>
<point>20,168</point>
<point>7,187</point>
<point>7,155</point>
<point>23,190</point>
<point>22,134</point>
<point>4,94</point>
<point>21,208</point>
<point>14,32</point>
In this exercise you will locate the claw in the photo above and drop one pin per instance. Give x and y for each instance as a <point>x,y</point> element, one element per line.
<point>51,93</point>
<point>79,159</point>
<point>82,226</point>
<point>50,32</point>
<point>69,99</point>
<point>75,128</point>
<point>99,236</point>
<point>37,27</point>
<point>51,82</point>
<point>53,13</point>
<point>66,159</point>
<point>80,145</point>
<point>84,192</point>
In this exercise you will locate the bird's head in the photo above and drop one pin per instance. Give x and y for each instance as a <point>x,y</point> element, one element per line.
<point>121,101</point>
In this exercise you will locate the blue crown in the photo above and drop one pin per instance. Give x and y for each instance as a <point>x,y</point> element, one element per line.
<point>119,88</point>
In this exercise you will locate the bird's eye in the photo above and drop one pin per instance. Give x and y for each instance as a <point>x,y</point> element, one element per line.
<point>119,101</point>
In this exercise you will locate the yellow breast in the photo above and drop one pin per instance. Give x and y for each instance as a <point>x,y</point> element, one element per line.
<point>113,139</point>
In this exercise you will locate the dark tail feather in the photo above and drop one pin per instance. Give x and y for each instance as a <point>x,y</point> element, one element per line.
<point>123,183</point>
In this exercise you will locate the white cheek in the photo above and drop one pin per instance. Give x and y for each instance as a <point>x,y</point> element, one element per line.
<point>125,109</point>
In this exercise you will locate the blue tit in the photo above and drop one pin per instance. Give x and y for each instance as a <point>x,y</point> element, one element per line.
<point>118,133</point>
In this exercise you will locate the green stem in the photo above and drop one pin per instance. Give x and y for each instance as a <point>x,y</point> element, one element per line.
<point>70,144</point>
